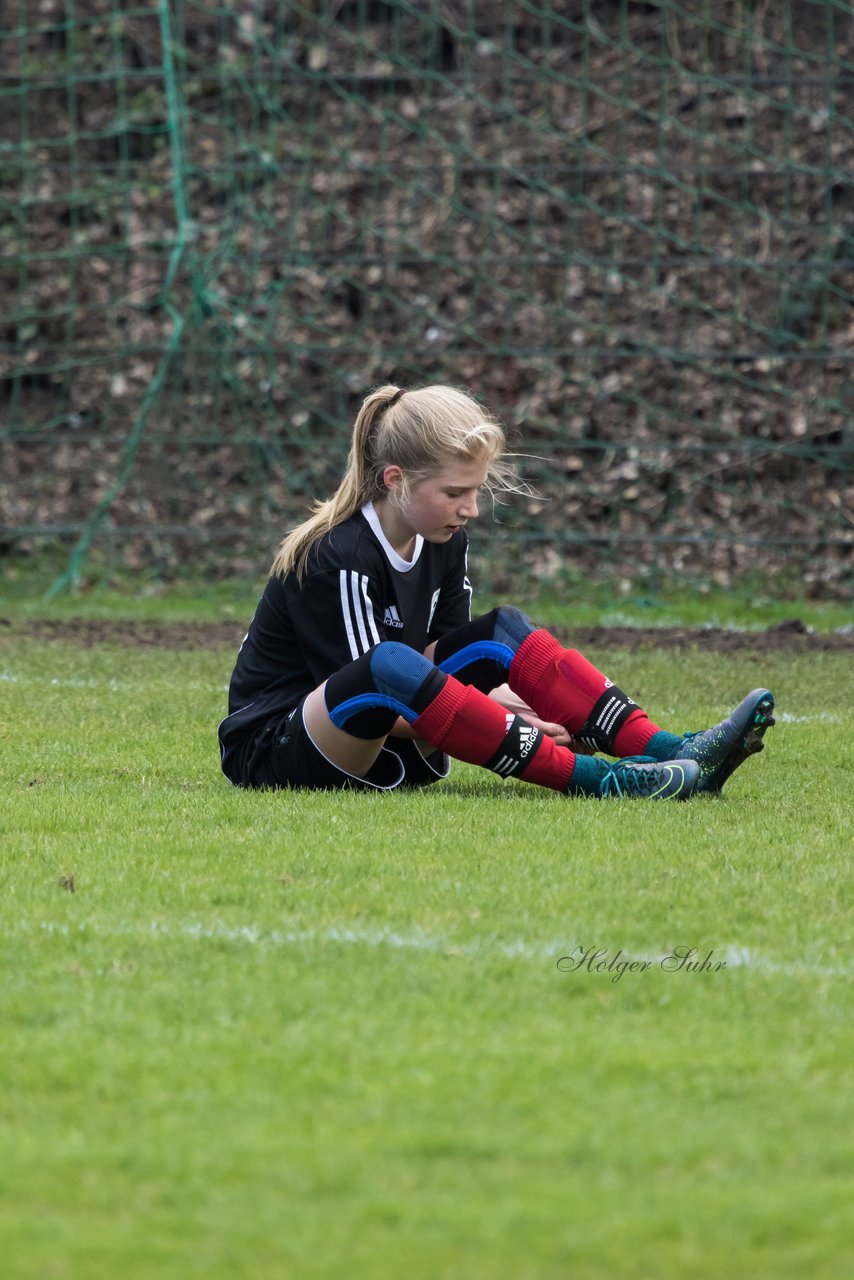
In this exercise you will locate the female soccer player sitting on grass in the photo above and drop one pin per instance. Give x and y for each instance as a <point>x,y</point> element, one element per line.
<point>363,667</point>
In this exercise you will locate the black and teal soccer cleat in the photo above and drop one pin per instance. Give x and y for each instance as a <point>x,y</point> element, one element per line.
<point>642,778</point>
<point>720,750</point>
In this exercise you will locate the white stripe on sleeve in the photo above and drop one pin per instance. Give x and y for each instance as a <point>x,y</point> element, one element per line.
<point>369,611</point>
<point>358,610</point>
<point>348,620</point>
<point>467,587</point>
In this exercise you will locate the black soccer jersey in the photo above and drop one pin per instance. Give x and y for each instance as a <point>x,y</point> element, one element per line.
<point>356,592</point>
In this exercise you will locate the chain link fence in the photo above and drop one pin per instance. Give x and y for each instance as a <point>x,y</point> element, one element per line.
<point>627,227</point>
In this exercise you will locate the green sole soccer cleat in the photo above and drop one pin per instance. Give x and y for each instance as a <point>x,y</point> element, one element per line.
<point>637,777</point>
<point>720,750</point>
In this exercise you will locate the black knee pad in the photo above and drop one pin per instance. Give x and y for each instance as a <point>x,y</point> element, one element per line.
<point>480,652</point>
<point>366,697</point>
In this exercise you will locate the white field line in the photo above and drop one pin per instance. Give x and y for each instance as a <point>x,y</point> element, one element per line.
<point>113,686</point>
<point>735,957</point>
<point>822,717</point>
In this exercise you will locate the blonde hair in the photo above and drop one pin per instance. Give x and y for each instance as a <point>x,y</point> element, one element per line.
<point>420,432</point>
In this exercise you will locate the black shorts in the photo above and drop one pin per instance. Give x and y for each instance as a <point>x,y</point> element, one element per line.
<point>284,754</point>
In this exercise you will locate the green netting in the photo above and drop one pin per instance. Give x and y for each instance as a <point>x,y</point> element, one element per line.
<point>628,227</point>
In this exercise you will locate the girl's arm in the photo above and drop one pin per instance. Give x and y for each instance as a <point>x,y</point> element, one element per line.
<point>505,697</point>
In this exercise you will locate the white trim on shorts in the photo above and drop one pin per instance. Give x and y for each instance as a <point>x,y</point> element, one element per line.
<point>365,781</point>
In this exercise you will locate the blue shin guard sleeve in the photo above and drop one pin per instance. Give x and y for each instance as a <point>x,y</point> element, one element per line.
<point>480,651</point>
<point>366,697</point>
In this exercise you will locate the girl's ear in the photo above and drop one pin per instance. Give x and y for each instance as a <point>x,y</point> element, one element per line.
<point>393,479</point>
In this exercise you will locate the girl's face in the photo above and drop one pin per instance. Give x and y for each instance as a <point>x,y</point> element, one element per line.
<point>437,507</point>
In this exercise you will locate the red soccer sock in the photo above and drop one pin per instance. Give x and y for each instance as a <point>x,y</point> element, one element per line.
<point>472,727</point>
<point>558,683</point>
<point>634,735</point>
<point>561,685</point>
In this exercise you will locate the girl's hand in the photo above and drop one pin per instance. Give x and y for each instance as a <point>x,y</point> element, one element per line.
<point>506,698</point>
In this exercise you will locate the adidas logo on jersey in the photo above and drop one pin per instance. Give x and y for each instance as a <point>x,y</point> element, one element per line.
<point>392,618</point>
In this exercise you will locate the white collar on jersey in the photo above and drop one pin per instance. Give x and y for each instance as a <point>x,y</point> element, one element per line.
<point>396,561</point>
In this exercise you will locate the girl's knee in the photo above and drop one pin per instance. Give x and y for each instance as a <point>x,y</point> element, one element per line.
<point>512,625</point>
<point>397,669</point>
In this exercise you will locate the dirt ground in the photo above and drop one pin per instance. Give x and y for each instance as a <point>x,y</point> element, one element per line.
<point>790,636</point>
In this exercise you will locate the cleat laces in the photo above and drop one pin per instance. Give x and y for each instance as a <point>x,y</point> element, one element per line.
<point>630,782</point>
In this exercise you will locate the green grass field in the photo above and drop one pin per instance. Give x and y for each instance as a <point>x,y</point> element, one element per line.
<point>282,1035</point>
